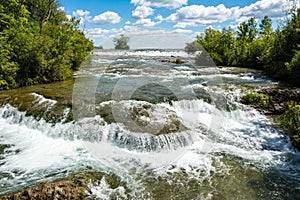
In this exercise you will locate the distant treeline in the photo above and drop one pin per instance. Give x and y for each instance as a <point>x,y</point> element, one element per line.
<point>38,43</point>
<point>256,46</point>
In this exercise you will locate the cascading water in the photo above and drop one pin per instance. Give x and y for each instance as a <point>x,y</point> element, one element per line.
<point>209,146</point>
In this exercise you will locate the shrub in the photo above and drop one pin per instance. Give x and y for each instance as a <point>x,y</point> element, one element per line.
<point>291,120</point>
<point>259,100</point>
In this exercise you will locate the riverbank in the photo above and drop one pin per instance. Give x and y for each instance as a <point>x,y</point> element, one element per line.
<point>35,49</point>
<point>281,102</point>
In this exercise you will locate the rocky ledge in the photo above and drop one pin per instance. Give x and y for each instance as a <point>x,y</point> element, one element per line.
<point>75,187</point>
<point>141,117</point>
<point>283,104</point>
<point>272,100</point>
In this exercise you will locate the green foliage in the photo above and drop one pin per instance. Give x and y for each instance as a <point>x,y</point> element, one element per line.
<point>193,47</point>
<point>259,100</point>
<point>291,120</point>
<point>12,13</point>
<point>256,45</point>
<point>265,28</point>
<point>121,42</point>
<point>8,69</point>
<point>38,44</point>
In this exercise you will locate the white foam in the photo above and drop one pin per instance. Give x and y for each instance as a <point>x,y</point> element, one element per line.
<point>103,191</point>
<point>40,99</point>
<point>148,53</point>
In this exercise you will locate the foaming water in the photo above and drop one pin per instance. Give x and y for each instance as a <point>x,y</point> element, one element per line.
<point>228,143</point>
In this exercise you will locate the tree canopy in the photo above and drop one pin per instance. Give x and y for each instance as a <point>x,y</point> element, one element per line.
<point>122,42</point>
<point>38,43</point>
<point>256,45</point>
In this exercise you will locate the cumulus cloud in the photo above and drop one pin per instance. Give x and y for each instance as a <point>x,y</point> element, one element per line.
<point>106,18</point>
<point>146,22</point>
<point>200,15</point>
<point>69,17</point>
<point>172,4</point>
<point>142,12</point>
<point>101,33</point>
<point>262,8</point>
<point>196,15</point>
<point>182,31</point>
<point>159,18</point>
<point>81,13</point>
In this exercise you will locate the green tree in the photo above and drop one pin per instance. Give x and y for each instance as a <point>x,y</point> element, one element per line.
<point>252,24</point>
<point>193,46</point>
<point>41,11</point>
<point>247,31</point>
<point>265,27</point>
<point>12,13</point>
<point>122,42</point>
<point>8,69</point>
<point>38,44</point>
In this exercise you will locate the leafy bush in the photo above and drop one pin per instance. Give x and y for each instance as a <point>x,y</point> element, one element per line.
<point>259,100</point>
<point>38,44</point>
<point>291,120</point>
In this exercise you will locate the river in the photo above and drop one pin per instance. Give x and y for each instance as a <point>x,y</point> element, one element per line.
<point>166,130</point>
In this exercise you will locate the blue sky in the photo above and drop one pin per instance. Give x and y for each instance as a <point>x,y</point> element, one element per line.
<point>164,23</point>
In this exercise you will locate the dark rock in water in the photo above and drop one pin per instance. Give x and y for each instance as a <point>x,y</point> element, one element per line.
<point>141,117</point>
<point>176,61</point>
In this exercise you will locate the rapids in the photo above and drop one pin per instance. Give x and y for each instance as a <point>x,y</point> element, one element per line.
<point>168,131</point>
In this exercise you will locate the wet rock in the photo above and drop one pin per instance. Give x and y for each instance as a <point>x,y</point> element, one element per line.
<point>279,97</point>
<point>75,187</point>
<point>176,61</point>
<point>141,117</point>
<point>64,189</point>
<point>276,101</point>
<point>48,101</point>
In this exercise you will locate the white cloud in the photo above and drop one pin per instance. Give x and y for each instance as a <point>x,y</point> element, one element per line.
<point>141,37</point>
<point>106,18</point>
<point>128,22</point>
<point>184,24</point>
<point>146,22</point>
<point>142,12</point>
<point>159,18</point>
<point>200,15</point>
<point>259,9</point>
<point>102,33</point>
<point>61,8</point>
<point>197,15</point>
<point>182,31</point>
<point>81,13</point>
<point>69,17</point>
<point>130,28</point>
<point>172,4</point>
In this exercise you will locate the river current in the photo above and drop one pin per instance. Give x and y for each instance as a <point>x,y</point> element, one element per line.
<point>166,130</point>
